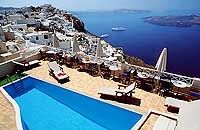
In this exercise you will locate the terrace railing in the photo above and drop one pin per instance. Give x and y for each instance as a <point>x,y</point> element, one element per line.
<point>165,76</point>
<point>153,73</point>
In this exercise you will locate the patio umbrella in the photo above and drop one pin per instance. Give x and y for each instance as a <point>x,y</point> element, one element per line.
<point>99,50</point>
<point>55,41</point>
<point>75,47</point>
<point>162,61</point>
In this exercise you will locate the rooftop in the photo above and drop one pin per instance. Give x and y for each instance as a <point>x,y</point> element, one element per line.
<point>84,83</point>
<point>38,33</point>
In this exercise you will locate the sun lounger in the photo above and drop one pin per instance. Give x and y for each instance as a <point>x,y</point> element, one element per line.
<point>26,64</point>
<point>176,103</point>
<point>34,62</point>
<point>127,91</point>
<point>57,71</point>
<point>164,123</point>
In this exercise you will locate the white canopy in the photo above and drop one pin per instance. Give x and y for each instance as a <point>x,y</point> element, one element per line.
<point>162,61</point>
<point>33,46</point>
<point>189,116</point>
<point>75,47</point>
<point>99,51</point>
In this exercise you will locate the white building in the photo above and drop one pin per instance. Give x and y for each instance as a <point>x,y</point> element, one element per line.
<point>42,16</point>
<point>64,41</point>
<point>19,26</point>
<point>29,21</point>
<point>41,37</point>
<point>9,50</point>
<point>13,18</point>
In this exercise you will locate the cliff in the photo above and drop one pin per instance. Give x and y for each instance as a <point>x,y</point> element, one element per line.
<point>135,61</point>
<point>78,24</point>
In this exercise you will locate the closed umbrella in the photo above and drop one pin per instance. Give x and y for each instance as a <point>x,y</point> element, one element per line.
<point>99,50</point>
<point>55,41</point>
<point>162,61</point>
<point>75,47</point>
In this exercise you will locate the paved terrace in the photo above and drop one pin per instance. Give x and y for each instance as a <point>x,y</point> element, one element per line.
<point>83,82</point>
<point>7,114</point>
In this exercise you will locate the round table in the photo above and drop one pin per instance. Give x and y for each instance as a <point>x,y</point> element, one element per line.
<point>143,75</point>
<point>114,68</point>
<point>179,84</point>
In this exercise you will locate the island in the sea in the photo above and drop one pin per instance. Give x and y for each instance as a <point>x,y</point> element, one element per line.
<point>176,21</point>
<point>131,11</point>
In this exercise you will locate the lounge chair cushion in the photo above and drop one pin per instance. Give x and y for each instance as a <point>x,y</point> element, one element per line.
<point>164,123</point>
<point>34,62</point>
<point>117,92</point>
<point>130,88</point>
<point>56,70</point>
<point>54,66</point>
<point>61,76</point>
<point>108,91</point>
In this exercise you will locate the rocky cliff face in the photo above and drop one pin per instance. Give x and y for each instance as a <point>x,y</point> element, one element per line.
<point>78,24</point>
<point>135,61</point>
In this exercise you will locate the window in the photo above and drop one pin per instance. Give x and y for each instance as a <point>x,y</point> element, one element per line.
<point>36,38</point>
<point>46,37</point>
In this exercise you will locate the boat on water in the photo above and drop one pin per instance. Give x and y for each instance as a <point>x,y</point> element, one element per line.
<point>118,29</point>
<point>104,36</point>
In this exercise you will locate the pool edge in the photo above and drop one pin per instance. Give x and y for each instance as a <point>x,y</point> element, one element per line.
<point>17,109</point>
<point>135,127</point>
<point>14,103</point>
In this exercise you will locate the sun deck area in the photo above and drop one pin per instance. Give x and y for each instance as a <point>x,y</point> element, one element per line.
<point>7,114</point>
<point>142,101</point>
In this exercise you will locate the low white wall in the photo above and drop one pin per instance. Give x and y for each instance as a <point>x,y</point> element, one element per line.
<point>30,58</point>
<point>6,68</point>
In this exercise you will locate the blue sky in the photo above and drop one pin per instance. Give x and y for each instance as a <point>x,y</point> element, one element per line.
<point>81,5</point>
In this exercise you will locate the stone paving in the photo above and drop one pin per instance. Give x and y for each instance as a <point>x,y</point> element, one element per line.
<point>84,83</point>
<point>7,114</point>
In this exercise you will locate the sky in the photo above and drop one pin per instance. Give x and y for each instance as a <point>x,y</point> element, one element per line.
<point>86,5</point>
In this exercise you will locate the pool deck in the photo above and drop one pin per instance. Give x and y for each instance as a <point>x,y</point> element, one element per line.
<point>7,114</point>
<point>84,83</point>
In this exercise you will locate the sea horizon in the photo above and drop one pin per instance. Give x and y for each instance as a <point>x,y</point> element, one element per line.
<point>146,41</point>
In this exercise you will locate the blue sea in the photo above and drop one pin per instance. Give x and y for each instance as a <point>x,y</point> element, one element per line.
<point>146,41</point>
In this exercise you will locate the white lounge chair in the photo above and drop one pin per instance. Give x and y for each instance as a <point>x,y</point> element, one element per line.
<point>164,123</point>
<point>127,91</point>
<point>57,71</point>
<point>26,63</point>
<point>176,103</point>
<point>34,62</point>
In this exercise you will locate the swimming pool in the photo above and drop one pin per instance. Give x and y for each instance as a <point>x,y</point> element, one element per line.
<point>45,106</point>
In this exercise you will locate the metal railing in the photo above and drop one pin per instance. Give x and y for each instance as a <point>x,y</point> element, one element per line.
<point>153,73</point>
<point>165,76</point>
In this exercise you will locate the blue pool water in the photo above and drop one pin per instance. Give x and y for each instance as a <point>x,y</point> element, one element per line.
<point>44,106</point>
<point>146,41</point>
